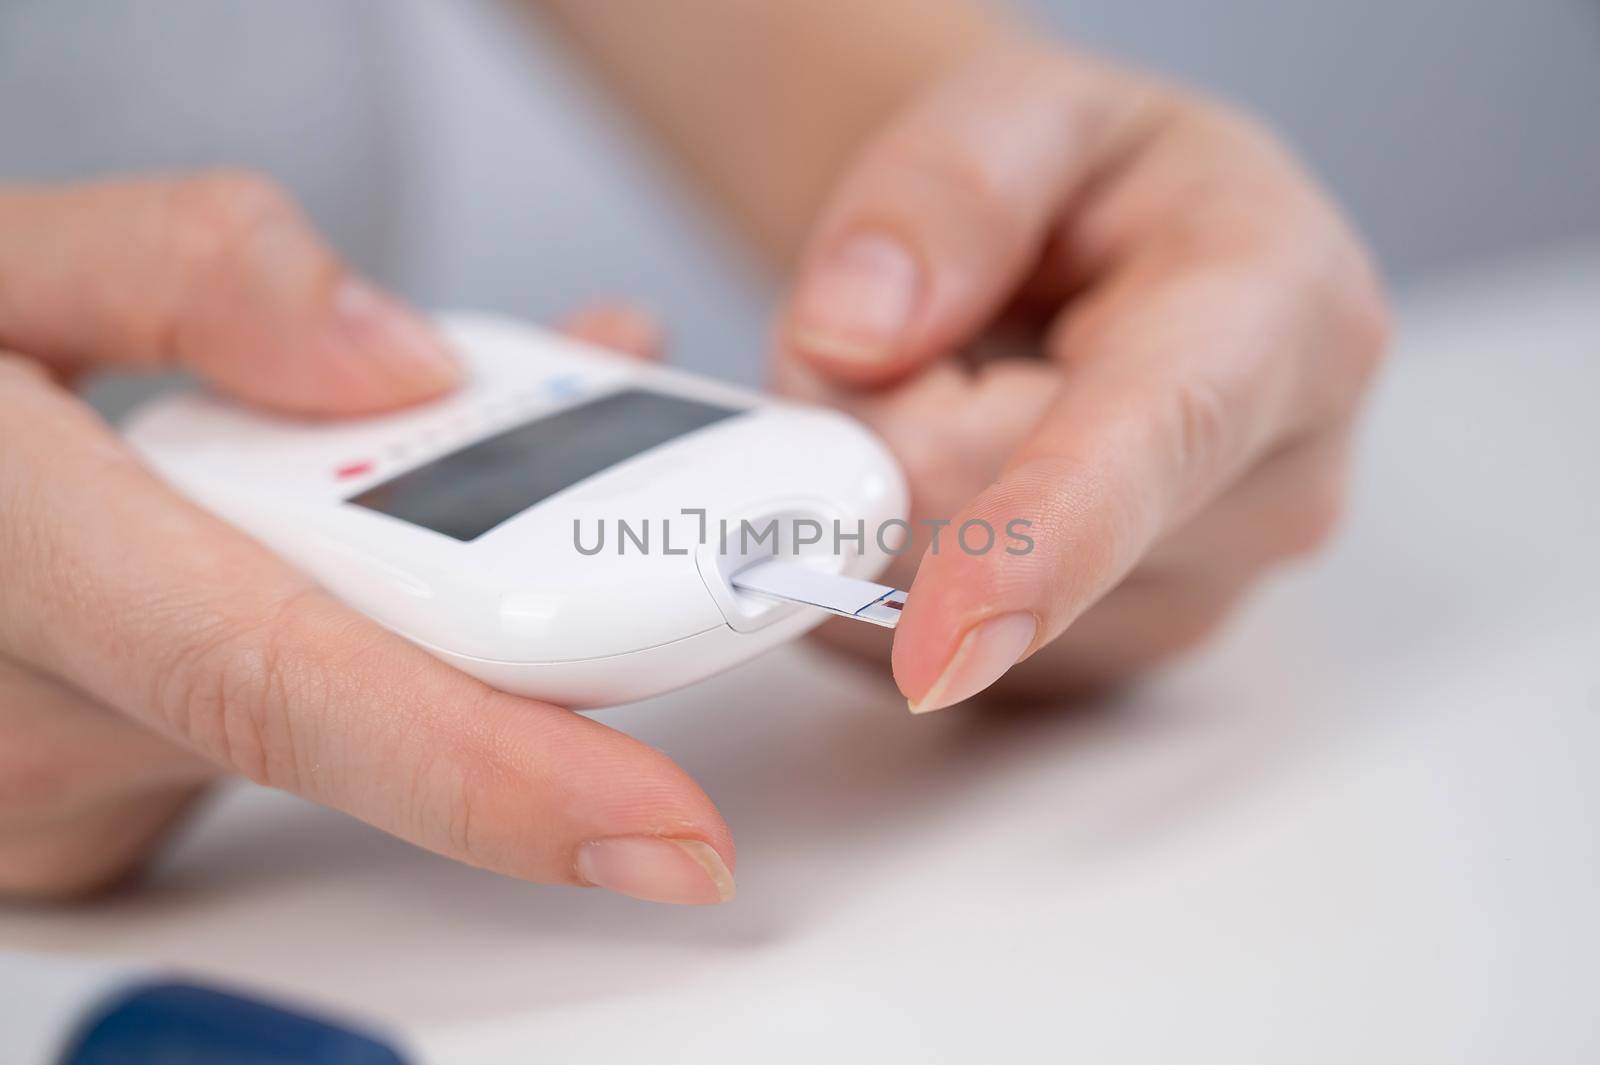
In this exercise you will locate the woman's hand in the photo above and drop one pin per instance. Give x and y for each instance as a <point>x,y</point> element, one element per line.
<point>146,648</point>
<point>1069,295</point>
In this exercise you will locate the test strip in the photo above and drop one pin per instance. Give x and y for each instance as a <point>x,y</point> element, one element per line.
<point>848,597</point>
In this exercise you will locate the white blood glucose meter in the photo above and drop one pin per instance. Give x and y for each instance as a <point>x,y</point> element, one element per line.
<point>568,525</point>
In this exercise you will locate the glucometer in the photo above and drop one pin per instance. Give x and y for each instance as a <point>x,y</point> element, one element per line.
<point>571,524</point>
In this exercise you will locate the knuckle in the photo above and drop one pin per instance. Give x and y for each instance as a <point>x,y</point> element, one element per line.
<point>1303,238</point>
<point>1197,424</point>
<point>965,186</point>
<point>233,201</point>
<point>1368,325</point>
<point>1342,298</point>
<point>219,218</point>
<point>468,786</point>
<point>1337,303</point>
<point>1348,305</point>
<point>226,691</point>
<point>451,791</point>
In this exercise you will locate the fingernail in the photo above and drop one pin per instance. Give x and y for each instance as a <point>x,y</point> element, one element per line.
<point>857,302</point>
<point>394,340</point>
<point>683,871</point>
<point>985,654</point>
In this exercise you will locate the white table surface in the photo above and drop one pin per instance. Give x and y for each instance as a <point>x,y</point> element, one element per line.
<point>1363,826</point>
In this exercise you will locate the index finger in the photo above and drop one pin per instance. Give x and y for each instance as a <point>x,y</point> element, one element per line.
<point>935,227</point>
<point>1195,373</point>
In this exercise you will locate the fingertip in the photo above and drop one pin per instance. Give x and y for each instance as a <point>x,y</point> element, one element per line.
<point>983,654</point>
<point>621,327</point>
<point>619,814</point>
<point>854,306</point>
<point>399,357</point>
<point>683,872</point>
<point>350,350</point>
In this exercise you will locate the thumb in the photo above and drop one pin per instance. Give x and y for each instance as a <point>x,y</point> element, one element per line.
<point>221,275</point>
<point>936,227</point>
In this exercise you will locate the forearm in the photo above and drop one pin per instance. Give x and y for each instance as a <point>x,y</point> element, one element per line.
<point>764,102</point>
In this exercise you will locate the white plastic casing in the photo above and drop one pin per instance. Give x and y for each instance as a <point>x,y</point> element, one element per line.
<point>521,607</point>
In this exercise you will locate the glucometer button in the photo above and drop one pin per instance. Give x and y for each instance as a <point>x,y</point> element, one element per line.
<point>352,470</point>
<point>564,387</point>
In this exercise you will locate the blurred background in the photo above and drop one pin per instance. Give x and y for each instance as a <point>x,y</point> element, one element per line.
<point>468,163</point>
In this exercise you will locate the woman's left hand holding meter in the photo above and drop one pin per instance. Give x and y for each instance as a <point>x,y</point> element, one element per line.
<point>146,647</point>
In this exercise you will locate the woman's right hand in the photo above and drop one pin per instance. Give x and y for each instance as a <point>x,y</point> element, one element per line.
<point>146,648</point>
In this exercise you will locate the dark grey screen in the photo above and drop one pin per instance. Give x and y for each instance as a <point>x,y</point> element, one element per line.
<point>468,492</point>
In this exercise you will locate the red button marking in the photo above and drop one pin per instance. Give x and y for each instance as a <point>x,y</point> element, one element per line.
<point>353,469</point>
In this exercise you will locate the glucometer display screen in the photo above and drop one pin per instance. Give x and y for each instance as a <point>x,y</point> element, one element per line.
<point>468,492</point>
